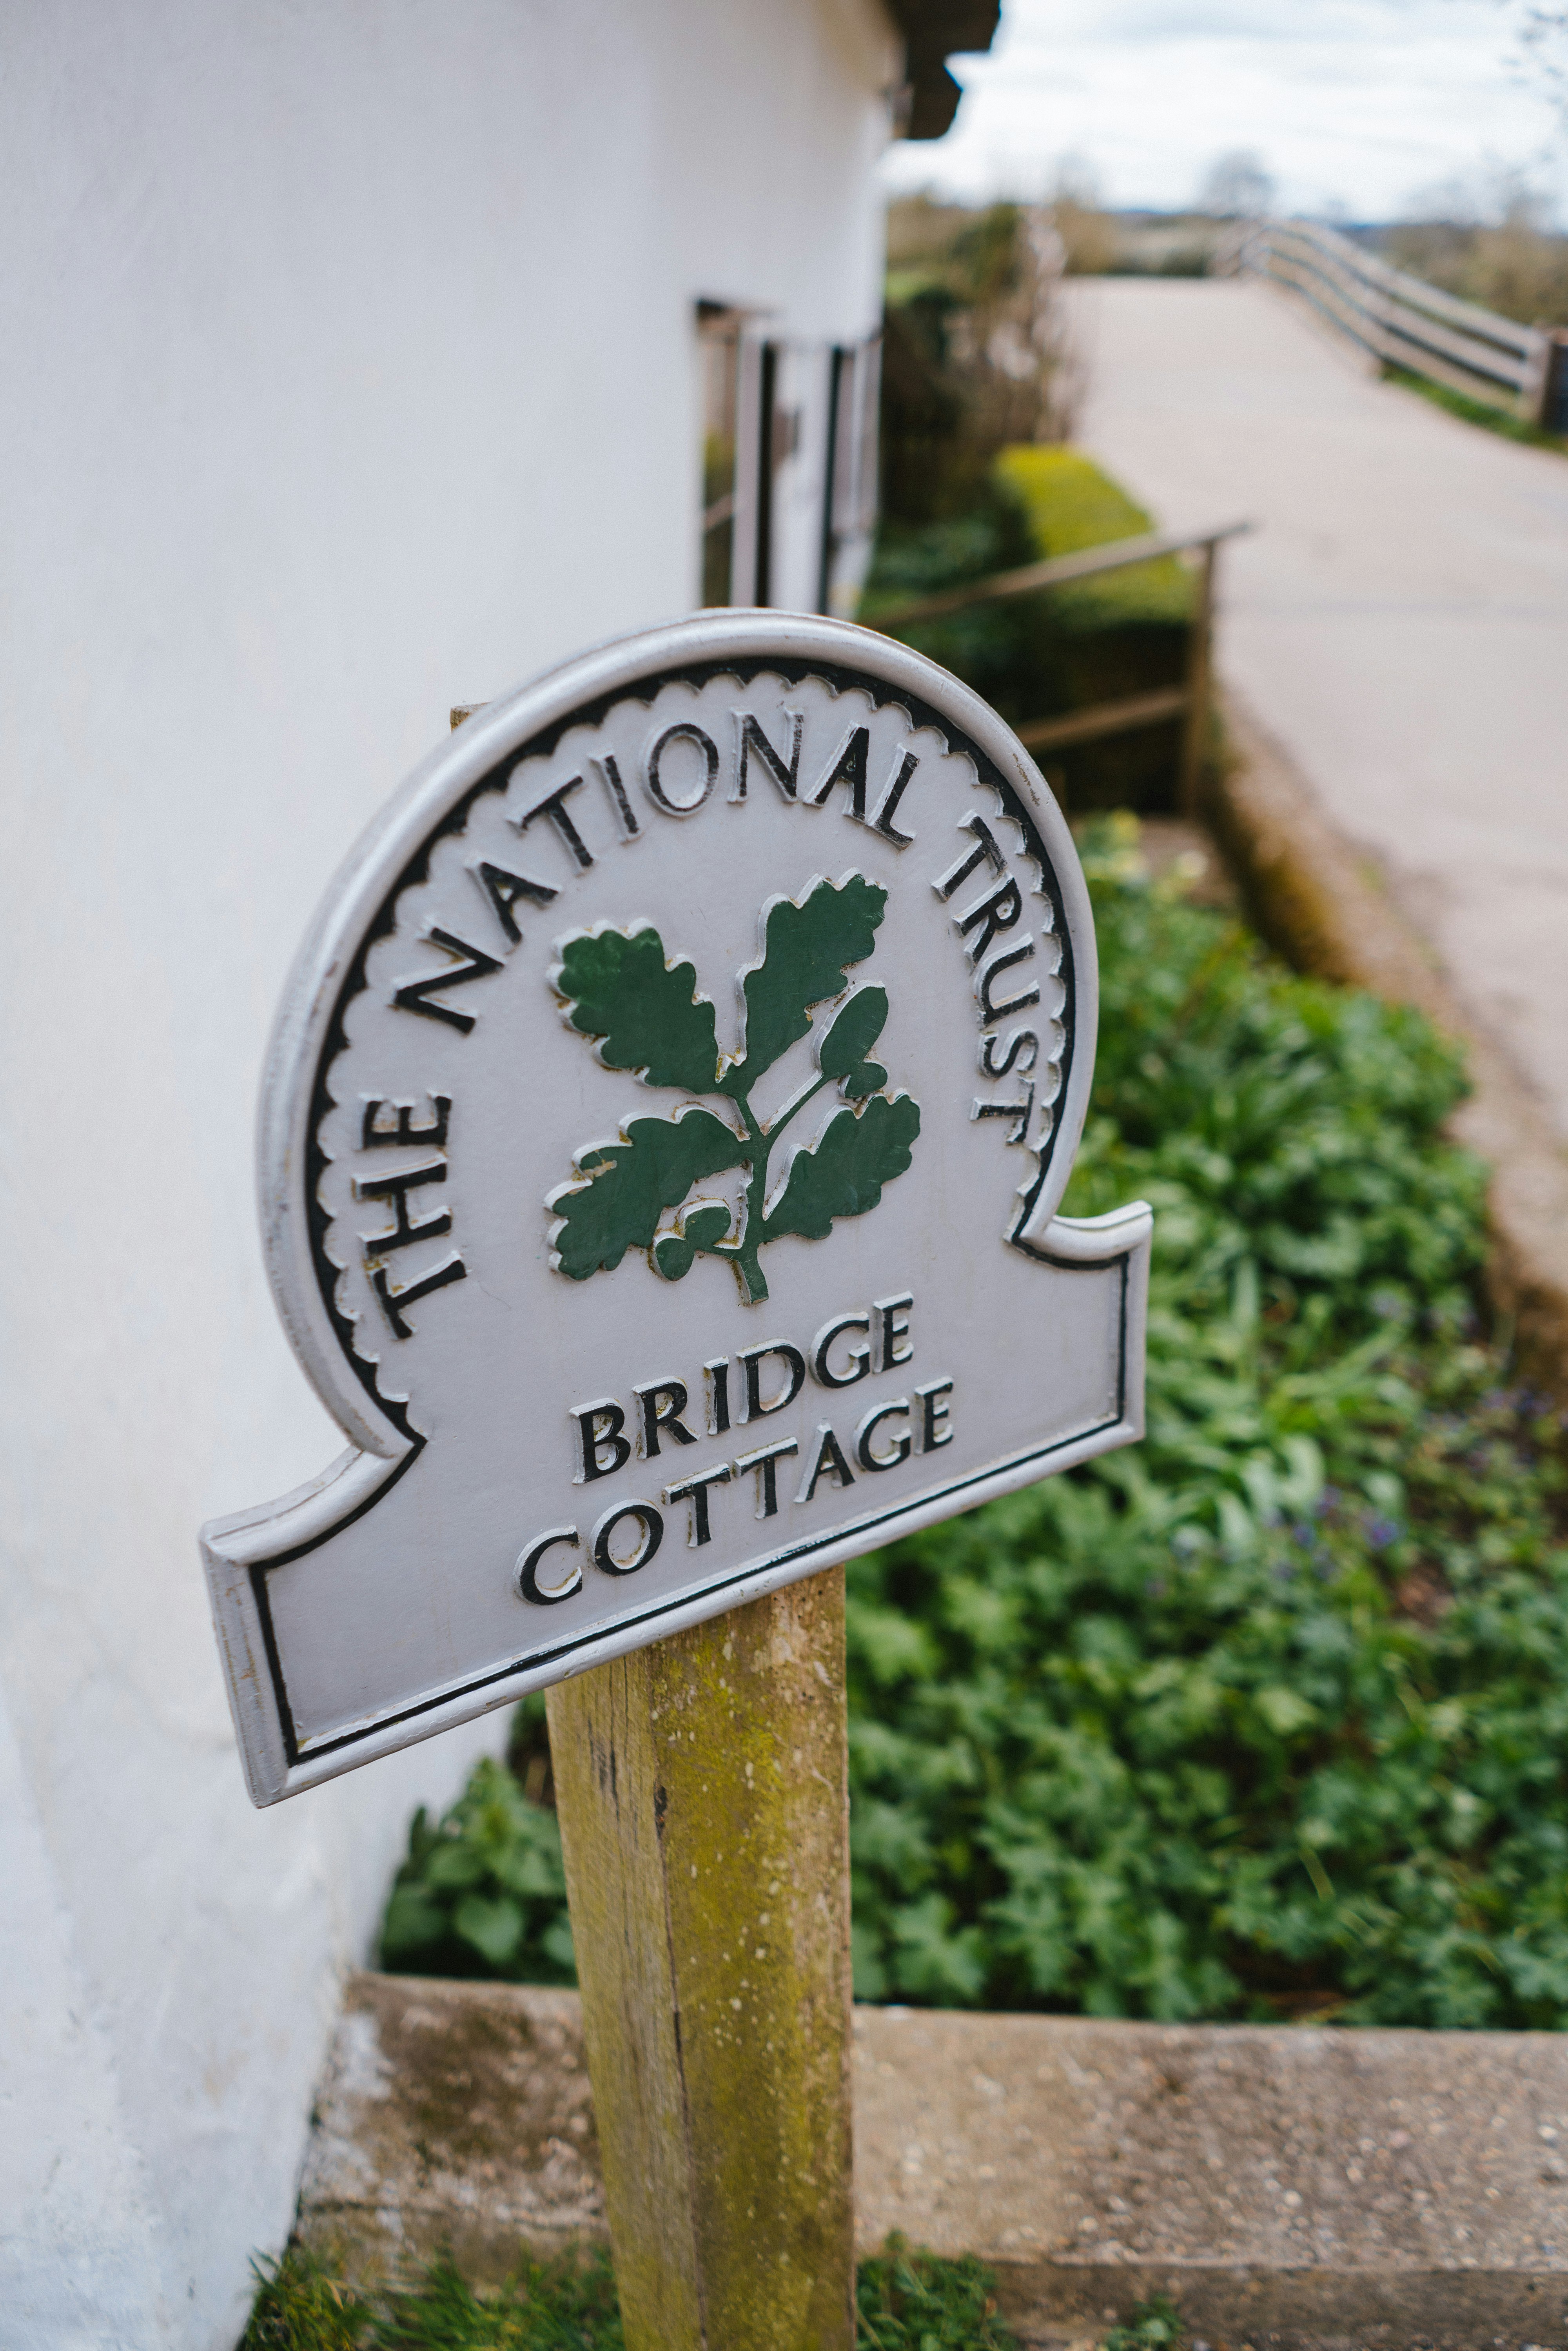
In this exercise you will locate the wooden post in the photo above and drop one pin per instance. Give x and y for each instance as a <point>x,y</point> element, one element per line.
<point>704,1810</point>
<point>701,1781</point>
<point>1549,404</point>
<point>1194,734</point>
<point>703,1793</point>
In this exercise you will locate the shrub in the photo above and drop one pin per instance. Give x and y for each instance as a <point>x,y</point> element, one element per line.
<point>972,353</point>
<point>1514,264</point>
<point>1069,504</point>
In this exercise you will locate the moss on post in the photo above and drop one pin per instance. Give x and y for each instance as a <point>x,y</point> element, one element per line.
<point>702,1792</point>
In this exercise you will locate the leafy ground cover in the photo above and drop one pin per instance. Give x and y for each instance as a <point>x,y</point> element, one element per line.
<point>483,1890</point>
<point>1265,1717</point>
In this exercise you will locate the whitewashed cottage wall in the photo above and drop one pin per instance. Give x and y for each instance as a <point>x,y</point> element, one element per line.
<point>350,372</point>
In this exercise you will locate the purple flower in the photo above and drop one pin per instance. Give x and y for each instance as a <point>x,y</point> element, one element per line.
<point>1380,1532</point>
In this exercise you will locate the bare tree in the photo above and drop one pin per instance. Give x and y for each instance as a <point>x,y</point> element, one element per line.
<point>1236,186</point>
<point>1541,51</point>
<point>977,352</point>
<point>1488,238</point>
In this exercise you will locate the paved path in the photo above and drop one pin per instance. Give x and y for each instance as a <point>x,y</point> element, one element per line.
<point>1399,622</point>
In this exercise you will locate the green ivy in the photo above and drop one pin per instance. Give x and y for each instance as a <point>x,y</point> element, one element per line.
<point>1265,1716</point>
<point>483,1891</point>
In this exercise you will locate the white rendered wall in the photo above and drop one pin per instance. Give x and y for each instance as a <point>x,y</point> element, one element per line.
<point>351,372</point>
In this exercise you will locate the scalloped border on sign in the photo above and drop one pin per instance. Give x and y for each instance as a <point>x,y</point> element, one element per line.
<point>360,909</point>
<point>243,1551</point>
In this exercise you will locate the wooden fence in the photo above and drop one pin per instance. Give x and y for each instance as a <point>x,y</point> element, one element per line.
<point>1190,701</point>
<point>1400,321</point>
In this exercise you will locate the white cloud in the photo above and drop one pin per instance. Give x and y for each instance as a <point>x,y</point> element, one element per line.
<point>1351,103</point>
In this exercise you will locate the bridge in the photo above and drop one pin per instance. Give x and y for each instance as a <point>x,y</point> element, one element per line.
<point>1398,619</point>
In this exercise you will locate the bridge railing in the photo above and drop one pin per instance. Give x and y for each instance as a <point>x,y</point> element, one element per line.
<point>1400,321</point>
<point>1189,702</point>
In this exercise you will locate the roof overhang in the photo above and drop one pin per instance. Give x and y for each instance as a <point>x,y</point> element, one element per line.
<point>934,30</point>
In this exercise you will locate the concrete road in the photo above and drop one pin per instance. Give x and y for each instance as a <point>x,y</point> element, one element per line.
<point>1399,622</point>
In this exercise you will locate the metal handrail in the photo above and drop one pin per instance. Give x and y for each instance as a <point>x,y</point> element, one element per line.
<point>1056,572</point>
<point>1188,702</point>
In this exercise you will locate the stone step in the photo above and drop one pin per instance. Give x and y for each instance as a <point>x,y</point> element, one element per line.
<point>1291,2189</point>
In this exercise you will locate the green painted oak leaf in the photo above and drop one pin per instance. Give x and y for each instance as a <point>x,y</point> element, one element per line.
<point>623,1188</point>
<point>703,1225</point>
<point>857,1153</point>
<point>622,988</point>
<point>674,1256</point>
<point>849,1038</point>
<point>805,948</point>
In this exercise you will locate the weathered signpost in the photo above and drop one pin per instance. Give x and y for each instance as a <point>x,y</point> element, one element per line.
<point>661,1145</point>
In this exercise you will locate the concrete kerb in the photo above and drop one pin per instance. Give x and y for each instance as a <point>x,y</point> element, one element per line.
<point>1327,907</point>
<point>1293,2189</point>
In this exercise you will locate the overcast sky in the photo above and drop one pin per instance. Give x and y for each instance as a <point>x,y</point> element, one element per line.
<point>1353,105</point>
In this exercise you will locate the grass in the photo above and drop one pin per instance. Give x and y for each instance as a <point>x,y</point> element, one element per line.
<point>910,2300</point>
<point>1154,2325</point>
<point>905,2300</point>
<point>1477,411</point>
<point>300,2305</point>
<point>566,2304</point>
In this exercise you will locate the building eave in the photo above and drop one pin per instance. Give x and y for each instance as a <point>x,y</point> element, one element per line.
<point>934,30</point>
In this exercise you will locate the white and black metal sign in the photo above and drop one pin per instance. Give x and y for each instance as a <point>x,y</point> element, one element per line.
<point>661,1145</point>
